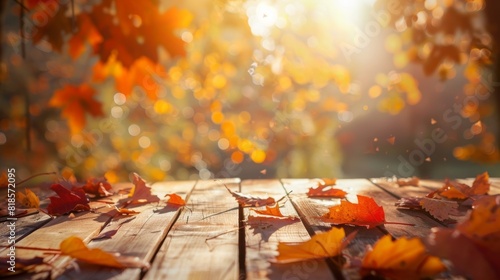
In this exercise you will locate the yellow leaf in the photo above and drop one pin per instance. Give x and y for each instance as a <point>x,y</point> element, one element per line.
<point>321,245</point>
<point>401,259</point>
<point>74,247</point>
<point>28,199</point>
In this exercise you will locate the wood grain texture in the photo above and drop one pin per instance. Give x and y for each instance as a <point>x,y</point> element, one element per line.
<point>203,243</point>
<point>139,235</point>
<point>262,237</point>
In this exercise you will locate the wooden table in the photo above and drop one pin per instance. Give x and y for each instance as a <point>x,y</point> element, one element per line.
<point>209,239</point>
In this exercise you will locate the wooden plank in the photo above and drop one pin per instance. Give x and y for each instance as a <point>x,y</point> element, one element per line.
<point>138,236</point>
<point>312,208</point>
<point>24,226</point>
<point>262,239</point>
<point>203,243</point>
<point>420,191</point>
<point>84,225</point>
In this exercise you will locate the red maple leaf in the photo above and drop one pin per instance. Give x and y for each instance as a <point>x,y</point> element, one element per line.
<point>67,201</point>
<point>141,193</point>
<point>75,102</point>
<point>365,213</point>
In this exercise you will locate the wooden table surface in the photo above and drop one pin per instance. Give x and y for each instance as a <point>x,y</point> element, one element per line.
<point>209,238</point>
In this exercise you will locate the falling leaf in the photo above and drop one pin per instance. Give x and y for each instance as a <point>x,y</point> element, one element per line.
<point>326,191</point>
<point>365,213</point>
<point>322,245</point>
<point>477,239</point>
<point>438,208</point>
<point>76,102</point>
<point>433,121</point>
<point>67,201</point>
<point>247,200</point>
<point>400,259</point>
<point>74,247</point>
<point>391,140</point>
<point>98,187</point>
<point>28,199</point>
<point>273,211</point>
<point>141,193</point>
<point>413,181</point>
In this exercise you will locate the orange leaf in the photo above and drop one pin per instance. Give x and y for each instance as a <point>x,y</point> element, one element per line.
<point>481,185</point>
<point>76,102</point>
<point>175,199</point>
<point>248,200</point>
<point>273,211</point>
<point>326,191</point>
<point>322,245</point>
<point>74,247</point>
<point>401,259</point>
<point>141,193</point>
<point>365,213</point>
<point>99,187</point>
<point>477,239</point>
<point>87,32</point>
<point>28,199</point>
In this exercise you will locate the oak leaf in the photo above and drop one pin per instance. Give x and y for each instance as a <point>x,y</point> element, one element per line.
<point>322,245</point>
<point>365,213</point>
<point>175,199</point>
<point>141,193</point>
<point>74,247</point>
<point>76,102</point>
<point>246,200</point>
<point>67,201</point>
<point>401,259</point>
<point>28,199</point>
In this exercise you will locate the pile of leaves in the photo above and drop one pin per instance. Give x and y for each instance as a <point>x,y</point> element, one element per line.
<point>477,236</point>
<point>72,196</point>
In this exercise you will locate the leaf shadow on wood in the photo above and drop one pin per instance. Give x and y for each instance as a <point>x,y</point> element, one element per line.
<point>168,208</point>
<point>267,226</point>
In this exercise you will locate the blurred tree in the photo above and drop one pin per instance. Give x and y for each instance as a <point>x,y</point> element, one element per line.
<point>203,89</point>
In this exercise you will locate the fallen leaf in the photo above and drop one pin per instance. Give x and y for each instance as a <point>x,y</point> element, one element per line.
<point>273,211</point>
<point>365,213</point>
<point>321,245</point>
<point>439,209</point>
<point>413,181</point>
<point>327,182</point>
<point>125,211</point>
<point>455,190</point>
<point>74,247</point>
<point>400,259</point>
<point>175,199</point>
<point>473,247</point>
<point>28,199</point>
<point>247,200</point>
<point>141,193</point>
<point>326,191</point>
<point>67,201</point>
<point>98,187</point>
<point>76,102</point>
